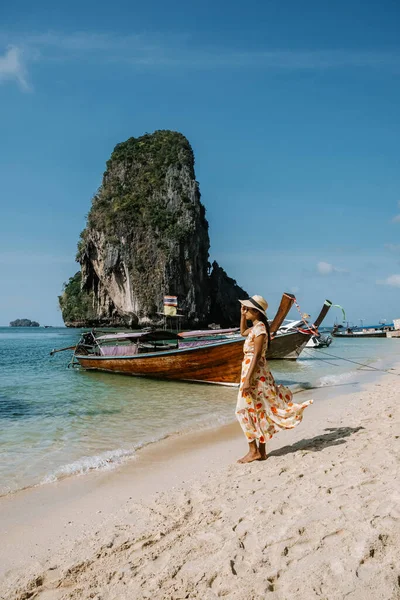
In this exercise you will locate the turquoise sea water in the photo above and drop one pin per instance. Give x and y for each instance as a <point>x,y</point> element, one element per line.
<point>57,422</point>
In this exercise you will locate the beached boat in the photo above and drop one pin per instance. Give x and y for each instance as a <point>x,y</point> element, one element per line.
<point>211,356</point>
<point>160,355</point>
<point>317,339</point>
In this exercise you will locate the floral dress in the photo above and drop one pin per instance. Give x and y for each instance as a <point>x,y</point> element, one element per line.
<point>269,407</point>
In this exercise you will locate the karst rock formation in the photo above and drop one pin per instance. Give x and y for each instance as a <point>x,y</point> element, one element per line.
<point>147,236</point>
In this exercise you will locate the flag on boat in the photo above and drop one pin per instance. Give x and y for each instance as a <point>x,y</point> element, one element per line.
<point>170,305</point>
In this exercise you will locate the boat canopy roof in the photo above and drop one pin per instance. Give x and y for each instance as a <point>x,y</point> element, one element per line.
<point>206,332</point>
<point>119,336</point>
<point>160,335</point>
<point>144,336</point>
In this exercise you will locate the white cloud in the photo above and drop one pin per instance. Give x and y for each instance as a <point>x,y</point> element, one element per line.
<point>325,268</point>
<point>396,219</point>
<point>153,50</point>
<point>392,280</point>
<point>12,68</point>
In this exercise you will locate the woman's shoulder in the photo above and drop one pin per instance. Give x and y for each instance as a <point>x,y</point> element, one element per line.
<point>259,329</point>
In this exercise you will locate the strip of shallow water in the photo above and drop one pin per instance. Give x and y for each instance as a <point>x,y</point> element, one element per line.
<point>56,422</point>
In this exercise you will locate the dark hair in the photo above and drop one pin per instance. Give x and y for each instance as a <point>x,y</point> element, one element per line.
<point>263,319</point>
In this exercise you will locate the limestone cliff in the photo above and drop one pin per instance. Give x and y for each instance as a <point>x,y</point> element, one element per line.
<point>146,236</point>
<point>224,295</point>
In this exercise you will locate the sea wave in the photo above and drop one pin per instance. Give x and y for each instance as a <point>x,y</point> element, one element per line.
<point>106,460</point>
<point>113,458</point>
<point>339,379</point>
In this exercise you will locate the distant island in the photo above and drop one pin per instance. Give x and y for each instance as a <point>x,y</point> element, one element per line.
<point>24,323</point>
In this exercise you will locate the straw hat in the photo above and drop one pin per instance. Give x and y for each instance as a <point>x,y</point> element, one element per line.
<point>257,302</point>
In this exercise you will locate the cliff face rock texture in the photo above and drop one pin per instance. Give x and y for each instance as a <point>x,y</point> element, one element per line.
<point>224,295</point>
<point>147,236</point>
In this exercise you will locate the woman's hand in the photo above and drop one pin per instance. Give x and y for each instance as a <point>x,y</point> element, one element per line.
<point>246,387</point>
<point>243,320</point>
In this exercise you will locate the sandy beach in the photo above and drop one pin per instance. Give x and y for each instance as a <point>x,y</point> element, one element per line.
<point>319,519</point>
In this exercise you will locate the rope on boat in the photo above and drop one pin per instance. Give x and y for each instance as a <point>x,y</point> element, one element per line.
<point>326,362</point>
<point>311,328</point>
<point>370,367</point>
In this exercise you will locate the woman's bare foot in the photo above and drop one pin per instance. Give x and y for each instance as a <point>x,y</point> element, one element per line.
<point>255,453</point>
<point>250,457</point>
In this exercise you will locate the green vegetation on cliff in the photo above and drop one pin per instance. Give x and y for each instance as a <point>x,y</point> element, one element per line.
<point>141,176</point>
<point>162,149</point>
<point>75,303</point>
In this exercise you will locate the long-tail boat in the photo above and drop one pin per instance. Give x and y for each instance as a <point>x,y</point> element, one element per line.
<point>356,332</point>
<point>213,356</point>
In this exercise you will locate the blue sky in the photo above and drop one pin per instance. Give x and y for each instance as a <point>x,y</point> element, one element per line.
<point>292,110</point>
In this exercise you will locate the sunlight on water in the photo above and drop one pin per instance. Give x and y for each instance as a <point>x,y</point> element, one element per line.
<point>56,421</point>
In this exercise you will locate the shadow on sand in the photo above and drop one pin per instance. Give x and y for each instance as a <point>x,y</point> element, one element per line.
<point>335,437</point>
<point>306,386</point>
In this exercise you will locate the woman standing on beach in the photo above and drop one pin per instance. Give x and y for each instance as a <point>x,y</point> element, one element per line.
<point>263,408</point>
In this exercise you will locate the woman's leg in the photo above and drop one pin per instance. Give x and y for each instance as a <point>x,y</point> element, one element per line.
<point>262,451</point>
<point>253,453</point>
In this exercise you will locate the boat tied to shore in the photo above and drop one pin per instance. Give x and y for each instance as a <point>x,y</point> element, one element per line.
<point>317,339</point>
<point>208,356</point>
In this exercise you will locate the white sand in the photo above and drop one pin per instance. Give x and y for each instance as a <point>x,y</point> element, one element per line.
<point>319,519</point>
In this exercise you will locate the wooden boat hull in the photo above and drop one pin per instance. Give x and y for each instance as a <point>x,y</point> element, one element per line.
<point>214,363</point>
<point>288,346</point>
<point>377,334</point>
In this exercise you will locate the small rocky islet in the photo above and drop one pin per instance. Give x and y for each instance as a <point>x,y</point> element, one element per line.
<point>147,236</point>
<point>24,323</point>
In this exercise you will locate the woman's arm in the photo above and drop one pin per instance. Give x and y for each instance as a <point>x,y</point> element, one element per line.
<point>243,322</point>
<point>258,346</point>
